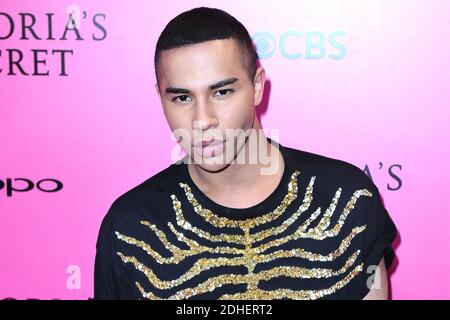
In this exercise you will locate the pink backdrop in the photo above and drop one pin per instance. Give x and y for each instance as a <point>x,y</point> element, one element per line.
<point>363,81</point>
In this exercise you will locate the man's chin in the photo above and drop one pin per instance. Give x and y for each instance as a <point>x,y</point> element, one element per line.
<point>211,164</point>
<point>213,167</point>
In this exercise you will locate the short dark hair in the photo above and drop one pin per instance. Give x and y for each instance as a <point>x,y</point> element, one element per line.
<point>203,24</point>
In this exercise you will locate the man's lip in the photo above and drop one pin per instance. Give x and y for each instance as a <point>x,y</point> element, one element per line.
<point>206,143</point>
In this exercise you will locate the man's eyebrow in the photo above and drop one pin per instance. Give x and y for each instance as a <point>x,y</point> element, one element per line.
<point>222,83</point>
<point>213,86</point>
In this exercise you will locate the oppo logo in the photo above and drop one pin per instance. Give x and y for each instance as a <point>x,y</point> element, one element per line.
<point>24,185</point>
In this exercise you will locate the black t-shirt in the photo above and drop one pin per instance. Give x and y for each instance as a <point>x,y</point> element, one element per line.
<point>317,236</point>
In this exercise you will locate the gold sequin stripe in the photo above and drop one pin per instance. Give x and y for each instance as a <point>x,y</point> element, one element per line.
<point>194,248</point>
<point>301,253</point>
<point>237,238</point>
<point>216,282</point>
<point>316,233</point>
<point>221,222</point>
<point>258,294</point>
<point>325,221</point>
<point>207,286</point>
<point>186,225</point>
<point>261,235</point>
<point>147,248</point>
<point>204,264</point>
<point>298,272</point>
<point>178,254</point>
<point>199,266</point>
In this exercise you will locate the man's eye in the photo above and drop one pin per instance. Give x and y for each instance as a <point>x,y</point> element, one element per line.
<point>224,91</point>
<point>183,96</point>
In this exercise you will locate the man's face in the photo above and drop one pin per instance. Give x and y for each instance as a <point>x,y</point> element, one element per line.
<point>205,91</point>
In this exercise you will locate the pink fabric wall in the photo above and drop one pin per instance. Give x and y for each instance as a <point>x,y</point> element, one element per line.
<point>376,95</point>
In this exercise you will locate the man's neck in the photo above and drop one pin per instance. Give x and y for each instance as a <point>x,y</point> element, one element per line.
<point>242,177</point>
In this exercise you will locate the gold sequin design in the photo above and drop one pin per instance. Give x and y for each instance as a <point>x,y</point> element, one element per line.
<point>179,254</point>
<point>221,222</point>
<point>255,293</point>
<point>250,254</point>
<point>205,264</point>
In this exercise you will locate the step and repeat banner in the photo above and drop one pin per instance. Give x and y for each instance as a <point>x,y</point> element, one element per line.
<point>366,82</point>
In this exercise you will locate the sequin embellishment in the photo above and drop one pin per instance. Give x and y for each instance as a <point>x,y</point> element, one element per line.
<point>250,249</point>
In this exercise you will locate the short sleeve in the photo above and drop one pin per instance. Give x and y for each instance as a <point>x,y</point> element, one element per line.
<point>109,281</point>
<point>379,235</point>
<point>104,282</point>
<point>104,287</point>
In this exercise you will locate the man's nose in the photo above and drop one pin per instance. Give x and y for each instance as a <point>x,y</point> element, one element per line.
<point>205,117</point>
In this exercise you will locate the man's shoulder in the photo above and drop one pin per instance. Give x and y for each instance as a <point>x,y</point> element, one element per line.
<point>332,170</point>
<point>141,198</point>
<point>158,184</point>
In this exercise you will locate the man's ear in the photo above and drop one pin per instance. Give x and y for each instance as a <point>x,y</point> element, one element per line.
<point>260,79</point>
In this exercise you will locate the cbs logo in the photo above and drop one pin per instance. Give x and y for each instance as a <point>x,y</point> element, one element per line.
<point>294,45</point>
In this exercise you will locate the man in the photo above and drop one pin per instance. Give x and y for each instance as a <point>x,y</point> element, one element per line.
<point>240,216</point>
